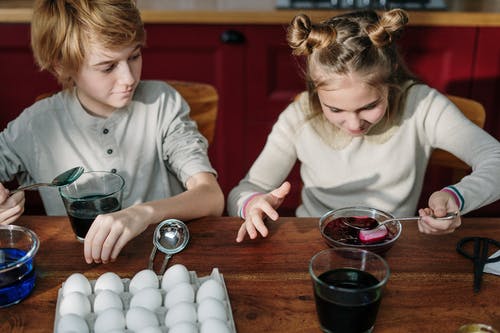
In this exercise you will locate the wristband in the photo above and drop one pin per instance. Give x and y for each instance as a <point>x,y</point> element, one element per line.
<point>245,203</point>
<point>459,199</point>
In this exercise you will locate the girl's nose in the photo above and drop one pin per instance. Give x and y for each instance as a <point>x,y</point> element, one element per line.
<point>353,122</point>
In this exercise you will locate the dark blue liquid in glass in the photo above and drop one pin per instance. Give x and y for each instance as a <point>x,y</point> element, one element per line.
<point>82,213</point>
<point>18,282</point>
<point>343,318</point>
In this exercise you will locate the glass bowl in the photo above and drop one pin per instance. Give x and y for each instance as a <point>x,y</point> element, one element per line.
<point>18,246</point>
<point>337,234</point>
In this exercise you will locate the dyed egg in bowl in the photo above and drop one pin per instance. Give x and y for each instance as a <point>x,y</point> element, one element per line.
<point>336,230</point>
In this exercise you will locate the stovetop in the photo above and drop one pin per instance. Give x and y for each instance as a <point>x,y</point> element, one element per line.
<point>360,4</point>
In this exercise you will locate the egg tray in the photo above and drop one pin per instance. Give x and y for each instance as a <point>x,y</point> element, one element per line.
<point>160,312</point>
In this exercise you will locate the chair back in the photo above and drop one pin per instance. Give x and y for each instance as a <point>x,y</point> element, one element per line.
<point>203,100</point>
<point>476,113</point>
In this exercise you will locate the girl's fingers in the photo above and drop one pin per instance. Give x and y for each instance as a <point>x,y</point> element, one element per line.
<point>241,232</point>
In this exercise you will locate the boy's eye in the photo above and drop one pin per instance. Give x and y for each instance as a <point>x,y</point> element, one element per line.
<point>135,56</point>
<point>109,68</point>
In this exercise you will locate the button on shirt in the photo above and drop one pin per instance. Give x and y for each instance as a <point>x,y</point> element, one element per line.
<point>151,143</point>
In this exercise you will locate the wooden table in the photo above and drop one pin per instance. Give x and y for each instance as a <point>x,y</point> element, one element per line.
<point>430,288</point>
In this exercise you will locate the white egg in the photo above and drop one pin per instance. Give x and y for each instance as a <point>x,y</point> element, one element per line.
<point>77,282</point>
<point>72,323</point>
<point>149,298</point>
<point>210,288</point>
<point>183,311</point>
<point>214,325</point>
<point>182,292</point>
<point>174,275</point>
<point>109,281</point>
<point>107,299</point>
<point>143,279</point>
<point>110,319</point>
<point>138,318</point>
<point>75,302</point>
<point>150,329</point>
<point>211,308</point>
<point>184,327</point>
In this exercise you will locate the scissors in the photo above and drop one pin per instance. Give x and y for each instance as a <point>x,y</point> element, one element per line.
<point>479,257</point>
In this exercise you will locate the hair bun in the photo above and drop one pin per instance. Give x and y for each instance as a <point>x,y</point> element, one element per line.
<point>388,28</point>
<point>303,36</point>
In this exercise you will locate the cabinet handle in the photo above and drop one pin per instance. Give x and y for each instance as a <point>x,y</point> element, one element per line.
<point>232,37</point>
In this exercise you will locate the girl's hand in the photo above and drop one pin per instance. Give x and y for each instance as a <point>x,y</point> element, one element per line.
<point>109,233</point>
<point>11,207</point>
<point>259,207</point>
<point>440,203</point>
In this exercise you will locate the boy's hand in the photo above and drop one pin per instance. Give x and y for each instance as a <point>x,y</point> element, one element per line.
<point>11,207</point>
<point>440,203</point>
<point>258,207</point>
<point>109,233</point>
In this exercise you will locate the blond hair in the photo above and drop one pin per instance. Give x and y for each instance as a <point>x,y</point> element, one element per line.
<point>62,30</point>
<point>359,42</point>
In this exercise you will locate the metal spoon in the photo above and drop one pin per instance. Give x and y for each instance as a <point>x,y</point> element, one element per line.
<point>170,237</point>
<point>448,216</point>
<point>65,178</point>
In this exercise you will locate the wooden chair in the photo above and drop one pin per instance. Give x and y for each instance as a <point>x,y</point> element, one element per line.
<point>203,100</point>
<point>476,113</point>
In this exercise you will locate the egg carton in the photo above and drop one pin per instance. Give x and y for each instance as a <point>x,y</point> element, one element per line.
<point>160,312</point>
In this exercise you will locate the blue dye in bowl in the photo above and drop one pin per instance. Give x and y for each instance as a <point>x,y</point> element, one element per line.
<point>18,246</point>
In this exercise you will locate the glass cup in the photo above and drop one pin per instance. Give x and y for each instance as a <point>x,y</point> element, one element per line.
<point>347,284</point>
<point>93,193</point>
<point>18,246</point>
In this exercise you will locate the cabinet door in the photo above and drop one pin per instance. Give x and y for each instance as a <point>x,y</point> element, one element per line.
<point>273,80</point>
<point>486,77</point>
<point>486,89</point>
<point>22,81</point>
<point>197,53</point>
<point>442,56</point>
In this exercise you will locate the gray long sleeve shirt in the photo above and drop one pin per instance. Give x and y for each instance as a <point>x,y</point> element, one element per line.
<point>152,143</point>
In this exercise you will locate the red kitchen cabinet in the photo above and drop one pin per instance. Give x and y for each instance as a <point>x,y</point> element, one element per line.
<point>486,77</point>
<point>257,77</point>
<point>198,53</point>
<point>442,57</point>
<point>486,89</point>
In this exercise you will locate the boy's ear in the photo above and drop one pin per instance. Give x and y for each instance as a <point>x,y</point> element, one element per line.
<point>58,70</point>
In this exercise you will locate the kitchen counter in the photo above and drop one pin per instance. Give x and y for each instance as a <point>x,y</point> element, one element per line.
<point>480,13</point>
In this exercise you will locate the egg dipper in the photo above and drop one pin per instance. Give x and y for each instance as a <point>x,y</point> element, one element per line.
<point>170,237</point>
<point>65,178</point>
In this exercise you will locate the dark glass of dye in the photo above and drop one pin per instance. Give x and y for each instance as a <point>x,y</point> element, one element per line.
<point>348,285</point>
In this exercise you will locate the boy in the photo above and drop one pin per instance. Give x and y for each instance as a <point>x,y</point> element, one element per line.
<point>107,119</point>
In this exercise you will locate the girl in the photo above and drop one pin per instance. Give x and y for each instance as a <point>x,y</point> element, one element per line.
<point>363,133</point>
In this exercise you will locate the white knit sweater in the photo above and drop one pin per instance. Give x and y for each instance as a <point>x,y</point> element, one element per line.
<point>384,171</point>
